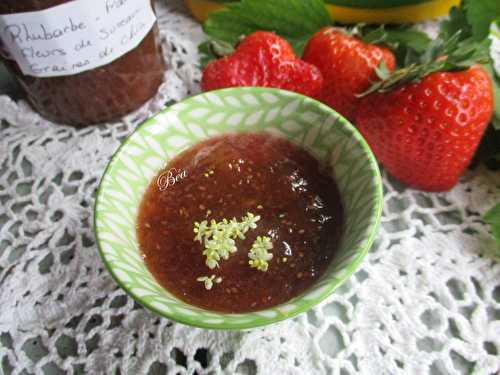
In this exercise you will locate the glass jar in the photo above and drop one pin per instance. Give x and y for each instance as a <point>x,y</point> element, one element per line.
<point>101,93</point>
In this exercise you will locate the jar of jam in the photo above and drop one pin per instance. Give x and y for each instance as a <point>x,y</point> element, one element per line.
<point>82,62</point>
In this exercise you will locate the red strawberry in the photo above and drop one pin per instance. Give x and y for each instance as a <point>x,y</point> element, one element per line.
<point>426,133</point>
<point>348,67</point>
<point>263,59</point>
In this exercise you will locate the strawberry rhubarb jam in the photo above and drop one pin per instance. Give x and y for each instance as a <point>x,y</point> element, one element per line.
<point>240,222</point>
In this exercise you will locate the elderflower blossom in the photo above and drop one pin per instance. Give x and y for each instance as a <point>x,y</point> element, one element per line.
<point>209,281</point>
<point>259,255</point>
<point>200,229</point>
<point>236,229</point>
<point>218,238</point>
<point>249,222</point>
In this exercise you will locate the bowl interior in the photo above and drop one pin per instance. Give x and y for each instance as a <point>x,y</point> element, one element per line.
<point>306,122</point>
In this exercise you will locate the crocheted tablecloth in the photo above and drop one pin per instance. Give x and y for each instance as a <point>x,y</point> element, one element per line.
<point>426,299</point>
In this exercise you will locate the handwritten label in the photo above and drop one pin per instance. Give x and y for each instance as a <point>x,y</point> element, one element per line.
<point>74,37</point>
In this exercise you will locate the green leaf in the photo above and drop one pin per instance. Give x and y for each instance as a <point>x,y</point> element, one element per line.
<point>409,38</point>
<point>213,49</point>
<point>227,26</point>
<point>395,37</point>
<point>492,218</point>
<point>480,14</point>
<point>462,42</point>
<point>456,21</point>
<point>405,41</point>
<point>206,53</point>
<point>382,71</point>
<point>467,53</point>
<point>295,20</point>
<point>441,55</point>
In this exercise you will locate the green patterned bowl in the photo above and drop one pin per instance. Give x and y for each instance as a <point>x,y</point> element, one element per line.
<point>302,120</point>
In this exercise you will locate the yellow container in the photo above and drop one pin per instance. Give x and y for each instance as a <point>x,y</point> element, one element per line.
<point>400,14</point>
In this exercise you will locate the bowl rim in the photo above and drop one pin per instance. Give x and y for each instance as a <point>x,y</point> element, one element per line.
<point>304,306</point>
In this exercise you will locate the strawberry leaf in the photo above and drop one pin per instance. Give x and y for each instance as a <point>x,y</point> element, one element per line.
<point>394,37</point>
<point>382,71</point>
<point>457,47</point>
<point>456,21</point>
<point>213,49</point>
<point>492,218</point>
<point>480,14</point>
<point>441,55</point>
<point>295,20</point>
<point>405,41</point>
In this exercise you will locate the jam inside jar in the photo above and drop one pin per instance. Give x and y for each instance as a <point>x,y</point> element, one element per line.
<point>105,93</point>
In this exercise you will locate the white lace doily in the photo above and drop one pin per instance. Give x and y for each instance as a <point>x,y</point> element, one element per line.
<point>426,300</point>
